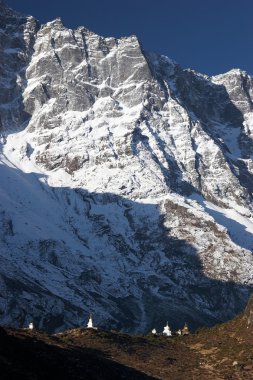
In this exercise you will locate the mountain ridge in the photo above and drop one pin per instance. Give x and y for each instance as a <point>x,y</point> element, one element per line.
<point>126,182</point>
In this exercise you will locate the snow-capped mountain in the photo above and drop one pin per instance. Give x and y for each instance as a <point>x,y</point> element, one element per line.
<point>125,183</point>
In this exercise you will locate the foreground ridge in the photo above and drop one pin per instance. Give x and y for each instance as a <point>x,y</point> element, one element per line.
<point>222,352</point>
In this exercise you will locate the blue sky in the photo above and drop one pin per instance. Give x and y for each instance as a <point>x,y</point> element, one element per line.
<point>210,36</point>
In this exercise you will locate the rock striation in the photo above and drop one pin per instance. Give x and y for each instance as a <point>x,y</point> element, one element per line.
<point>126,182</point>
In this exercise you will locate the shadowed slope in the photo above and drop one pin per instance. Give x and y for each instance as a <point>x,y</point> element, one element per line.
<point>25,355</point>
<point>102,146</point>
<point>224,352</point>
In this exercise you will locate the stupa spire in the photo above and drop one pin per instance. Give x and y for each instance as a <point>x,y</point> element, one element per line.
<point>167,330</point>
<point>90,323</point>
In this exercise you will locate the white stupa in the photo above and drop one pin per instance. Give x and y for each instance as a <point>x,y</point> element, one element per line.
<point>154,331</point>
<point>31,326</point>
<point>90,324</point>
<point>167,330</point>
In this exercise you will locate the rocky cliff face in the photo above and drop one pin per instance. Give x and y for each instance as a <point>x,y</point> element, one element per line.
<point>126,182</point>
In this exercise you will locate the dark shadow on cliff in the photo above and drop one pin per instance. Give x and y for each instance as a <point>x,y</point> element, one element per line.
<point>172,173</point>
<point>115,243</point>
<point>113,255</point>
<point>15,56</point>
<point>211,104</point>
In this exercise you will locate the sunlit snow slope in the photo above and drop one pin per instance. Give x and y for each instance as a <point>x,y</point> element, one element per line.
<point>125,183</point>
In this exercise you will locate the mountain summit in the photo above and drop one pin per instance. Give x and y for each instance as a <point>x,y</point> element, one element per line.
<point>126,183</point>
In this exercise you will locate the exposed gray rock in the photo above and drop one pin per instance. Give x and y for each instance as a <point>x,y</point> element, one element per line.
<point>126,182</point>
